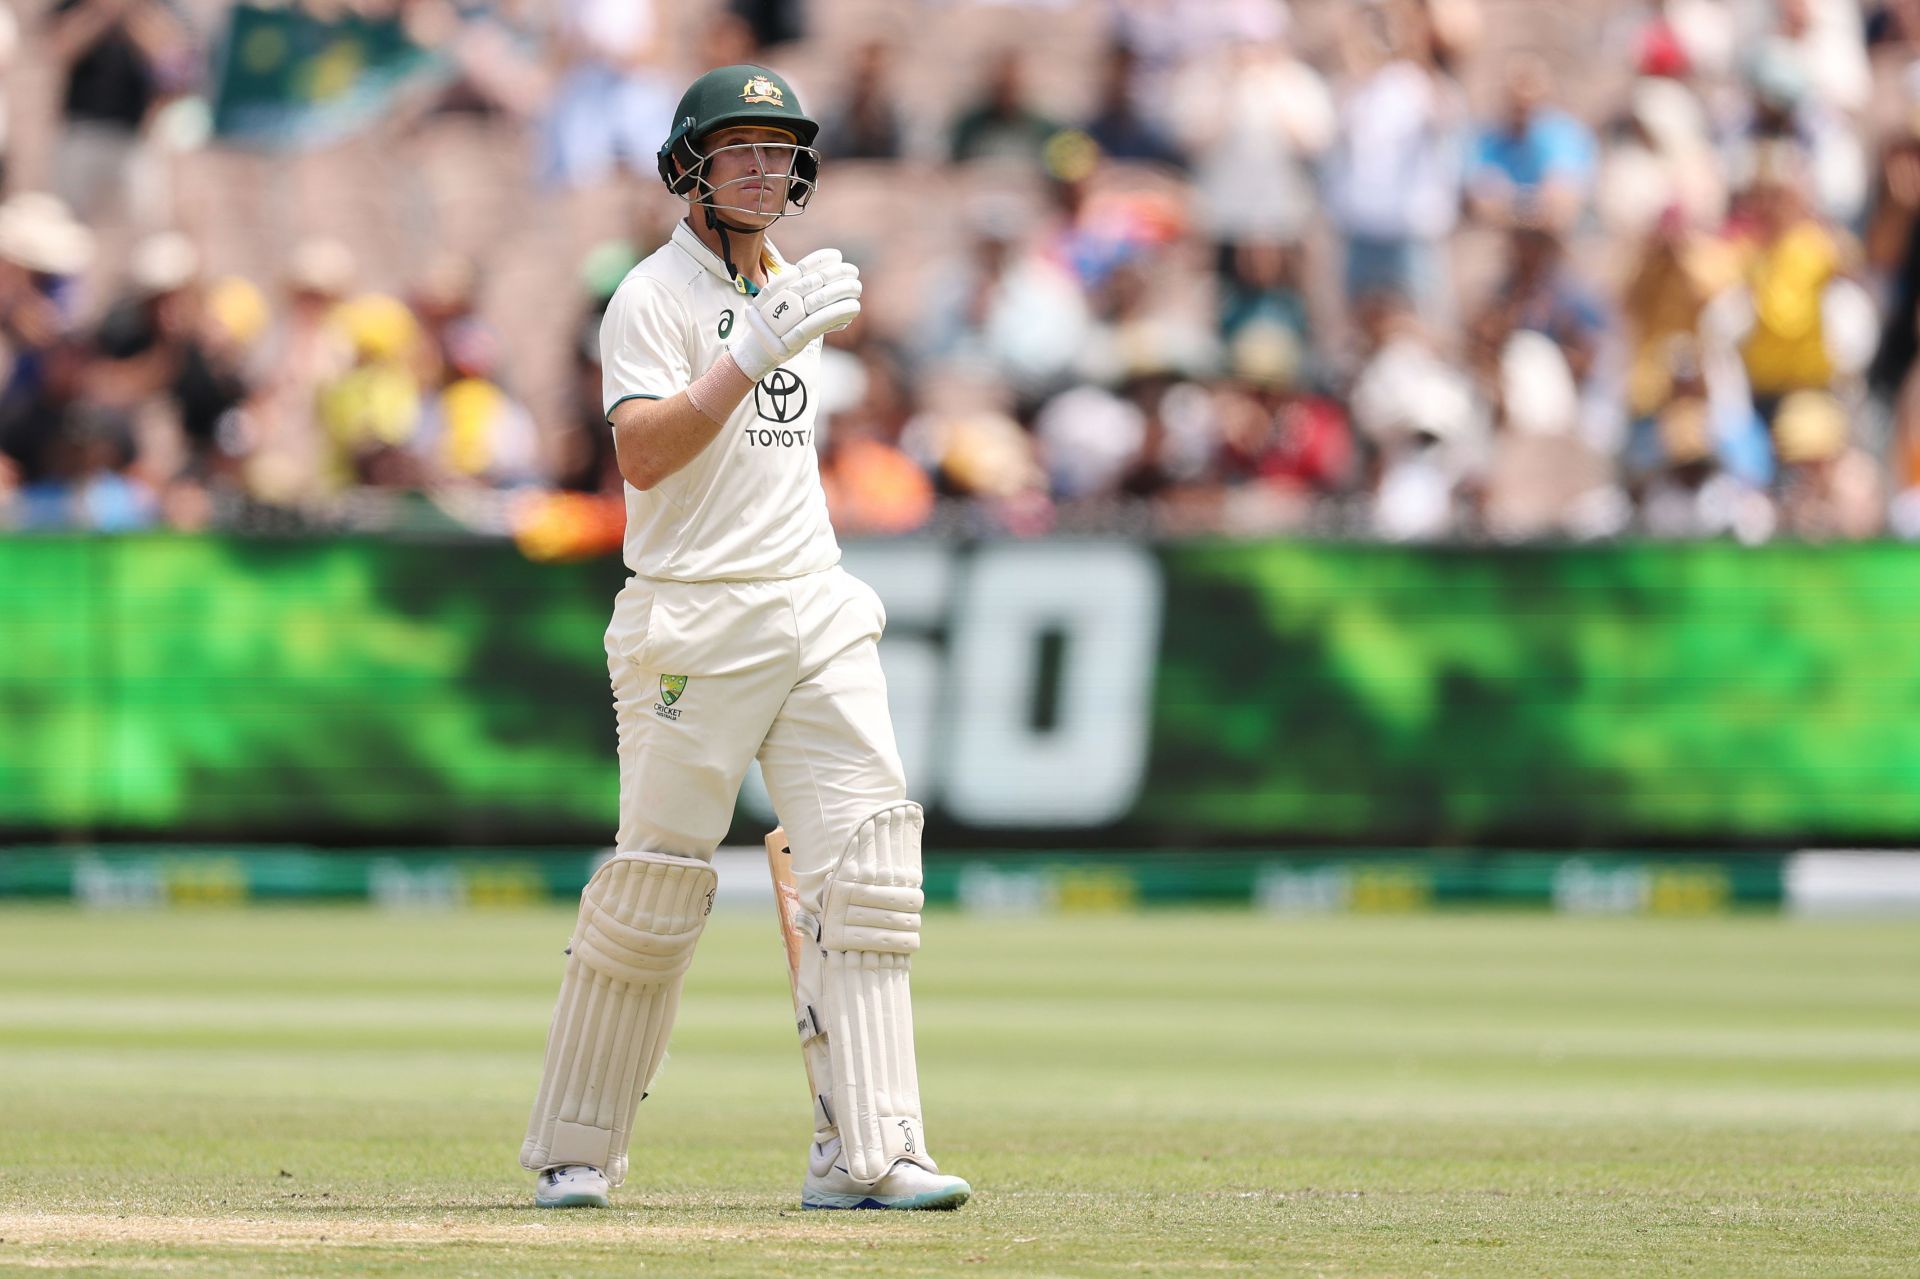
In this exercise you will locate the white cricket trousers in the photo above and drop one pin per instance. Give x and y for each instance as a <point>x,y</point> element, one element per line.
<point>785,670</point>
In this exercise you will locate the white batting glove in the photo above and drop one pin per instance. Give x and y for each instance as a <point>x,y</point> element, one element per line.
<point>822,295</point>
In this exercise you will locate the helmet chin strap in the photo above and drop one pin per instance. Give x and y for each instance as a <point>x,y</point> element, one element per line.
<point>720,225</point>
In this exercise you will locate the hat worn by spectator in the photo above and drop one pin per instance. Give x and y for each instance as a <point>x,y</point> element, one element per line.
<point>379,326</point>
<point>38,233</point>
<point>321,266</point>
<point>1537,386</point>
<point>1811,426</point>
<point>988,454</point>
<point>163,262</point>
<point>1663,53</point>
<point>239,309</point>
<point>1266,355</point>
<point>1686,432</point>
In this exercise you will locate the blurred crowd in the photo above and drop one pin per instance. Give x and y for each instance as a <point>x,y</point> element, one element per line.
<point>1382,269</point>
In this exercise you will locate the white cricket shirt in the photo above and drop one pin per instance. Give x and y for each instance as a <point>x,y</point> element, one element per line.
<point>749,505</point>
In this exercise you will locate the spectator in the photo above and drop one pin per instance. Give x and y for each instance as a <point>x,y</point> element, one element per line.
<point>1455,31</point>
<point>1543,478</point>
<point>1003,124</point>
<point>726,39</point>
<point>1536,163</point>
<point>41,249</point>
<point>38,423</point>
<point>154,346</point>
<point>1256,119</point>
<point>106,490</point>
<point>1894,33</point>
<point>1280,434</point>
<point>1260,287</point>
<point>1540,294</point>
<point>1691,496</point>
<point>1425,422</point>
<point>1108,216</point>
<point>1893,250</point>
<point>1010,310</point>
<point>1146,319</point>
<point>1668,288</point>
<point>1179,446</point>
<point>1166,36</point>
<point>302,351</point>
<point>772,22</point>
<point>1393,175</point>
<point>370,413</point>
<point>1660,157</point>
<point>1893,28</point>
<point>1828,487</point>
<point>445,300</point>
<point>1089,438</point>
<point>1117,125</point>
<point>120,58</point>
<point>873,487</point>
<point>1784,112</point>
<point>982,454</point>
<point>585,461</point>
<point>1788,260</point>
<point>235,321</point>
<point>1659,49</point>
<point>612,104</point>
<point>472,433</point>
<point>1827,40</point>
<point>1706,36</point>
<point>866,125</point>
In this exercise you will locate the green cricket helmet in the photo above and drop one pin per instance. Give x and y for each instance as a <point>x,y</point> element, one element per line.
<point>724,98</point>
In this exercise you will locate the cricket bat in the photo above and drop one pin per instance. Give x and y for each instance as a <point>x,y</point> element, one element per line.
<point>786,901</point>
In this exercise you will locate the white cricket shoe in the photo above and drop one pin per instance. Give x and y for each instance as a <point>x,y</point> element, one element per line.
<point>906,1185</point>
<point>571,1186</point>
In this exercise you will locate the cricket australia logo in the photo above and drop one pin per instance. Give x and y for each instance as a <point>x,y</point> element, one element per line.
<point>781,396</point>
<point>671,688</point>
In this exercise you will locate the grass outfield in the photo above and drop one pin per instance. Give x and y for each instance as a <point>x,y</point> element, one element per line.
<point>343,1092</point>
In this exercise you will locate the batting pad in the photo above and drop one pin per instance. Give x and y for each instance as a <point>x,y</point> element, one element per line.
<point>869,929</point>
<point>639,919</point>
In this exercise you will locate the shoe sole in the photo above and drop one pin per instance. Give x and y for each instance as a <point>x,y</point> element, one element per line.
<point>931,1201</point>
<point>580,1200</point>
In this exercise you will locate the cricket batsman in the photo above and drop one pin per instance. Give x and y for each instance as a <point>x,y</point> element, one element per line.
<point>737,637</point>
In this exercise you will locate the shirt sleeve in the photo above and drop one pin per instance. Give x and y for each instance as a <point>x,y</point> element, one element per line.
<point>1314,119</point>
<point>1487,162</point>
<point>1569,151</point>
<point>643,344</point>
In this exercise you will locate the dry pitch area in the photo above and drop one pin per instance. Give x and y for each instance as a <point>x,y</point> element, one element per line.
<point>341,1092</point>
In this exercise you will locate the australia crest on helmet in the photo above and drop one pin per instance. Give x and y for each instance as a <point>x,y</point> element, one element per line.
<point>762,89</point>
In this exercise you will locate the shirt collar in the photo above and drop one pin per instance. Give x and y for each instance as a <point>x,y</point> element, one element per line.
<point>690,243</point>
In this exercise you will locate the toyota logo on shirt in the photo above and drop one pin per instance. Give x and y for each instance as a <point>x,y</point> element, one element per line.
<point>781,396</point>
